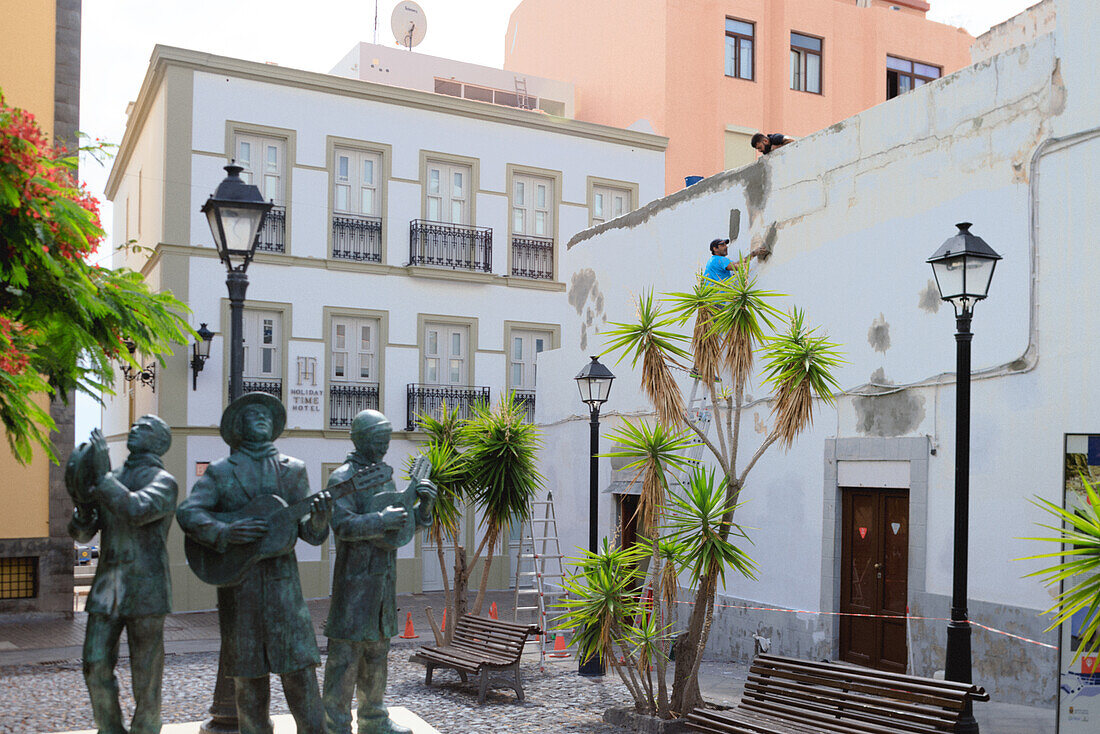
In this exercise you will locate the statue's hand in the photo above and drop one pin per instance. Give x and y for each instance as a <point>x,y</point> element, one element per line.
<point>320,511</point>
<point>393,517</point>
<point>247,530</point>
<point>426,492</point>
<point>101,459</point>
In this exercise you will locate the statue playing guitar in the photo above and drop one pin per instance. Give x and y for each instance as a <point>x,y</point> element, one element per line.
<point>242,520</point>
<point>369,525</point>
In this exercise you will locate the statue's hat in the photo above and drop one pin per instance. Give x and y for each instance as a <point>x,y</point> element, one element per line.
<point>230,428</point>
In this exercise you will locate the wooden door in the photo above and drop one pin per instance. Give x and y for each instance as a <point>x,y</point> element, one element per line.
<point>874,577</point>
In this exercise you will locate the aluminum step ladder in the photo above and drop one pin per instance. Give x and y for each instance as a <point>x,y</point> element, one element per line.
<point>539,573</point>
<point>523,101</point>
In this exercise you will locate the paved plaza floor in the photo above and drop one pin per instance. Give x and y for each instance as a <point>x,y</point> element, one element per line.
<point>44,690</point>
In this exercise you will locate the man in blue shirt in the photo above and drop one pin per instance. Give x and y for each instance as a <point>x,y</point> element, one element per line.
<point>719,267</point>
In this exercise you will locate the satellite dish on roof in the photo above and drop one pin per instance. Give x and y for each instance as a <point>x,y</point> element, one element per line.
<point>409,24</point>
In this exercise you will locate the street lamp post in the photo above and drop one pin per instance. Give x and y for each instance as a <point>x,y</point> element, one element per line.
<point>963,267</point>
<point>235,213</point>
<point>594,382</point>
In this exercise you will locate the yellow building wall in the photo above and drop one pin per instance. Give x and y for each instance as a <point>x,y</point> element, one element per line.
<point>27,56</point>
<point>27,36</point>
<point>24,494</point>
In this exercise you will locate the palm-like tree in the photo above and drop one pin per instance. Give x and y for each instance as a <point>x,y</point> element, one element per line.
<point>501,450</point>
<point>733,320</point>
<point>655,451</point>
<point>1078,564</point>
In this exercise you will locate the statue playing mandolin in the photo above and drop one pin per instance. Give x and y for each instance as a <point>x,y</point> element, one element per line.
<point>369,525</point>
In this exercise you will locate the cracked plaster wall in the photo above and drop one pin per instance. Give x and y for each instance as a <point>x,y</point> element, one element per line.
<point>851,214</point>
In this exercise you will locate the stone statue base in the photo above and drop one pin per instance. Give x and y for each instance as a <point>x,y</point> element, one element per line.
<point>284,724</point>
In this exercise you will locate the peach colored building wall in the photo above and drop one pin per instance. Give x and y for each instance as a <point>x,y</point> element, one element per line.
<point>664,61</point>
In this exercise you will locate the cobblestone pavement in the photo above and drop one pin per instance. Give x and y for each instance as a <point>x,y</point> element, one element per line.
<point>52,697</point>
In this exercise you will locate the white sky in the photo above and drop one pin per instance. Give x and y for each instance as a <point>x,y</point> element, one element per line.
<point>119,35</point>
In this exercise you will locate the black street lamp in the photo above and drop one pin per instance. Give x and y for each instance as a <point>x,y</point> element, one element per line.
<point>594,382</point>
<point>200,352</point>
<point>235,213</point>
<point>963,267</point>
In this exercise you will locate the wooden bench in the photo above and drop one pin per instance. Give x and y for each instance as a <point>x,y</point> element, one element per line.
<point>484,647</point>
<point>790,696</point>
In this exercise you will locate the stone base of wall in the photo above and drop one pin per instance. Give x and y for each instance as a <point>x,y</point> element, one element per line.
<point>55,574</point>
<point>1011,670</point>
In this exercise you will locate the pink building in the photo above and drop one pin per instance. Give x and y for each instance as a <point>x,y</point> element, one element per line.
<point>710,73</point>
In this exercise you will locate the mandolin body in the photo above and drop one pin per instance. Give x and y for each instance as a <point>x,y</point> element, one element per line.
<point>229,568</point>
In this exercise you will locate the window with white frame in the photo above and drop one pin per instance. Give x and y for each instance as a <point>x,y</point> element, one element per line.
<point>446,358</point>
<point>263,344</point>
<point>526,345</point>
<point>263,159</point>
<point>356,180</point>
<point>448,188</point>
<point>609,202</point>
<point>532,206</point>
<point>806,63</point>
<point>354,350</point>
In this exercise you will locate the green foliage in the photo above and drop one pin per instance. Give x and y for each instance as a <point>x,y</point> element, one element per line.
<point>500,453</point>
<point>653,450</point>
<point>1080,536</point>
<point>635,339</point>
<point>698,522</point>
<point>62,321</point>
<point>449,477</point>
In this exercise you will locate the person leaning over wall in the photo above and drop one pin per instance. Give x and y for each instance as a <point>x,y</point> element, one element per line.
<point>764,144</point>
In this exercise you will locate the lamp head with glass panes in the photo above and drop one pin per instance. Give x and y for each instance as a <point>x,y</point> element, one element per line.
<point>235,213</point>
<point>963,267</point>
<point>594,382</point>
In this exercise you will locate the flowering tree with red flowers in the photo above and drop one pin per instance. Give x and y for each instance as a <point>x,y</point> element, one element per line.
<point>63,321</point>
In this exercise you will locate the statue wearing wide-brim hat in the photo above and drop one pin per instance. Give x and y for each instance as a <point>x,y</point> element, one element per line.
<point>264,621</point>
<point>231,419</point>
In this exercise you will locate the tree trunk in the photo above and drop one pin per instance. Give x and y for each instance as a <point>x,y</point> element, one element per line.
<point>447,598</point>
<point>685,690</point>
<point>494,532</point>
<point>461,577</point>
<point>712,578</point>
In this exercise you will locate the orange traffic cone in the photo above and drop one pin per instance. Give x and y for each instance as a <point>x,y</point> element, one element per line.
<point>559,647</point>
<point>493,611</point>
<point>410,633</point>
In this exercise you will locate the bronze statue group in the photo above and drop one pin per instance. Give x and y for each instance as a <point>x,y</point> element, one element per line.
<point>241,522</point>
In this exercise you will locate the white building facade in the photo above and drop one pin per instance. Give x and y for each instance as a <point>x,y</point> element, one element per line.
<point>415,253</point>
<point>850,215</point>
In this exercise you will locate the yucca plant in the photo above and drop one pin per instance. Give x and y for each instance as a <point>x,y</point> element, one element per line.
<point>699,522</point>
<point>735,324</point>
<point>1078,564</point>
<point>610,620</point>
<point>658,350</point>
<point>799,366</point>
<point>452,488</point>
<point>654,451</point>
<point>501,452</point>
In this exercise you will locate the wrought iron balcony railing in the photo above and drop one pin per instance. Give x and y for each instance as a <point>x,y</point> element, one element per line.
<point>272,236</point>
<point>271,387</point>
<point>533,257</point>
<point>346,401</point>
<point>429,400</point>
<point>526,399</point>
<point>457,246</point>
<point>357,238</point>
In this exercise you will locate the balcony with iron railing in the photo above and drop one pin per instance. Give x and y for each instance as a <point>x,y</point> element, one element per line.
<point>455,246</point>
<point>347,401</point>
<point>269,386</point>
<point>272,236</point>
<point>532,257</point>
<point>357,238</point>
<point>525,399</point>
<point>430,399</point>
